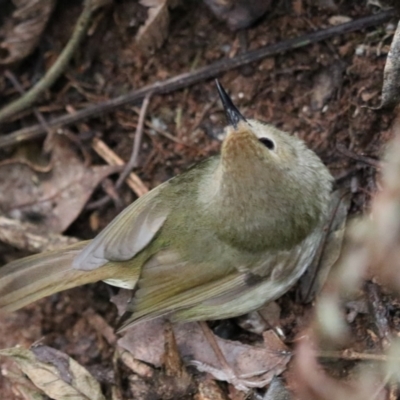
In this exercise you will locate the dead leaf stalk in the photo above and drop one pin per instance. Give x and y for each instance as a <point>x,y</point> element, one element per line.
<point>132,163</point>
<point>133,181</point>
<point>13,79</point>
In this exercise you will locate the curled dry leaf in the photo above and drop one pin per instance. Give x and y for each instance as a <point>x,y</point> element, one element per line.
<point>258,364</point>
<point>22,30</point>
<point>152,34</point>
<point>57,375</point>
<point>51,200</point>
<point>391,75</point>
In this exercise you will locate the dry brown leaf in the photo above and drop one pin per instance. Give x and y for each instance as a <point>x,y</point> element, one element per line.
<point>258,364</point>
<point>121,300</point>
<point>57,375</point>
<point>152,34</point>
<point>239,14</point>
<point>208,389</point>
<point>179,378</point>
<point>326,83</point>
<point>262,319</point>
<point>329,5</point>
<point>101,326</point>
<point>22,30</point>
<point>52,200</point>
<point>171,382</point>
<point>277,391</point>
<point>298,6</point>
<point>24,236</point>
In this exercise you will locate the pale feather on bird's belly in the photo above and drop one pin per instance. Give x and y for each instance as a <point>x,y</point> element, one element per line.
<point>121,283</point>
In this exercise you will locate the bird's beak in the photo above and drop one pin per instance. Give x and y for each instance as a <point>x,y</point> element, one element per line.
<point>232,113</point>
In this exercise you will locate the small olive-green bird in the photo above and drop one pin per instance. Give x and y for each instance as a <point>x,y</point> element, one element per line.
<point>228,235</point>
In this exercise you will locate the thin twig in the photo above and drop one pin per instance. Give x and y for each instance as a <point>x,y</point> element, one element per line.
<point>136,366</point>
<point>94,205</point>
<point>12,78</point>
<point>354,355</point>
<point>212,341</point>
<point>39,116</point>
<point>203,113</point>
<point>34,167</point>
<point>133,181</point>
<point>109,187</point>
<point>190,78</point>
<point>166,134</point>
<point>58,67</point>
<point>364,159</point>
<point>132,163</point>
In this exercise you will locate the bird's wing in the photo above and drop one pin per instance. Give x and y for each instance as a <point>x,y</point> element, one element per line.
<point>129,233</point>
<point>168,284</point>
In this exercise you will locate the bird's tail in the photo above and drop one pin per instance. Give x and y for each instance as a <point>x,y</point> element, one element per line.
<point>32,278</point>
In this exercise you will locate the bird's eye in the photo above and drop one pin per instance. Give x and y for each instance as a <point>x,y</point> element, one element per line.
<point>268,143</point>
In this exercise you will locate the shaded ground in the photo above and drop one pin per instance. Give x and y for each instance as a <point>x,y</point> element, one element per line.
<point>322,93</point>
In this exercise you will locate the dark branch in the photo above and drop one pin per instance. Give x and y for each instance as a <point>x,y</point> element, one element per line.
<point>202,74</point>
